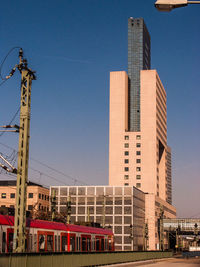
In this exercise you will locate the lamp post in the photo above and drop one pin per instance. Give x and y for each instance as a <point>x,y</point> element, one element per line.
<point>168,5</point>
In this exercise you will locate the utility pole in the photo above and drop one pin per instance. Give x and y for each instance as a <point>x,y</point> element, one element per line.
<point>53,205</point>
<point>27,75</point>
<point>104,211</point>
<point>69,209</point>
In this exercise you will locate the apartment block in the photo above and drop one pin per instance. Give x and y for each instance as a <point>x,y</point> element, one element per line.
<point>37,195</point>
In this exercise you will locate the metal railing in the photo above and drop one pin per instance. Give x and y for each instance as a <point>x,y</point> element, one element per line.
<point>77,259</point>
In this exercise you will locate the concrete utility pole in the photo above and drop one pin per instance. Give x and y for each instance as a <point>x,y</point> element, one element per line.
<point>27,75</point>
<point>53,205</point>
<point>161,229</point>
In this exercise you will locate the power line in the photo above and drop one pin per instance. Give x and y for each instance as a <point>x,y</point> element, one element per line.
<point>13,118</point>
<point>2,63</point>
<point>45,165</point>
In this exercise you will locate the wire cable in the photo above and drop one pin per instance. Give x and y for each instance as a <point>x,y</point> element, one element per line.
<point>13,118</point>
<point>2,63</point>
<point>47,166</point>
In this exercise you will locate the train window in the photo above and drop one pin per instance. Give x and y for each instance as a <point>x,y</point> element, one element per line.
<point>58,243</point>
<point>106,244</point>
<point>49,242</point>
<point>77,248</point>
<point>109,244</point>
<point>64,243</point>
<point>88,244</point>
<point>79,243</point>
<point>97,244</point>
<point>84,244</point>
<point>72,243</point>
<point>55,242</point>
<point>41,242</point>
<point>102,244</point>
<point>4,242</point>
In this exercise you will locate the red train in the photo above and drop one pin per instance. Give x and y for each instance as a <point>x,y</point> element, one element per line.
<point>46,236</point>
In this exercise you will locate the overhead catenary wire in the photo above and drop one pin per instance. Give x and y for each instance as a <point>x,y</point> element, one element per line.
<point>13,118</point>
<point>47,166</point>
<point>2,63</point>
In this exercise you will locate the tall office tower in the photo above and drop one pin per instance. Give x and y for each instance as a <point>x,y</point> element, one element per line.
<point>139,58</point>
<point>138,150</point>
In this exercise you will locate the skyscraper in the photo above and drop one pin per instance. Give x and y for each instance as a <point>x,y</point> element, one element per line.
<point>138,150</point>
<point>139,58</point>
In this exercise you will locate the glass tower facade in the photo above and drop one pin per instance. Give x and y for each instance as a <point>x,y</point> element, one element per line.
<point>139,58</point>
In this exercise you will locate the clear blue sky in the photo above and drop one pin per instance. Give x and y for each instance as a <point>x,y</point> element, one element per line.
<point>73,45</point>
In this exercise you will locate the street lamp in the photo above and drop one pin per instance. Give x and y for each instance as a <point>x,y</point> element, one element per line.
<point>168,5</point>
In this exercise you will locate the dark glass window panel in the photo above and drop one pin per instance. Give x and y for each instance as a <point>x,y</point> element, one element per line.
<point>90,200</point>
<point>109,220</point>
<point>109,210</point>
<point>118,219</point>
<point>81,201</point>
<point>118,201</point>
<point>90,191</point>
<point>118,239</point>
<point>81,210</point>
<point>127,201</point>
<point>127,210</point>
<point>81,191</point>
<point>118,210</point>
<point>81,218</point>
<point>72,191</point>
<point>118,230</point>
<point>99,200</point>
<point>99,210</point>
<point>127,240</point>
<point>128,191</point>
<point>63,200</point>
<point>118,191</point>
<point>109,201</point>
<point>109,190</point>
<point>63,191</point>
<point>99,191</point>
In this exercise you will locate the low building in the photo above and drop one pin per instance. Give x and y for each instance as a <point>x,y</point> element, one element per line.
<point>119,208</point>
<point>132,214</point>
<point>37,195</point>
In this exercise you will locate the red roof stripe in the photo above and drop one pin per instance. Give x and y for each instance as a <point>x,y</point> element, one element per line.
<point>9,220</point>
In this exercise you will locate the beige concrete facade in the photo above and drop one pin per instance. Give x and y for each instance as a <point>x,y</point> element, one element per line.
<point>140,159</point>
<point>153,207</point>
<point>37,196</point>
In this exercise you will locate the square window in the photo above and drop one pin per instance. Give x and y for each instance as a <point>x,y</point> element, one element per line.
<point>126,153</point>
<point>126,169</point>
<point>30,195</point>
<point>138,185</point>
<point>138,177</point>
<point>126,161</point>
<point>138,152</point>
<point>30,207</point>
<point>126,137</point>
<point>126,145</point>
<point>138,160</point>
<point>12,195</point>
<point>3,195</point>
<point>138,137</point>
<point>138,169</point>
<point>138,145</point>
<point>126,177</point>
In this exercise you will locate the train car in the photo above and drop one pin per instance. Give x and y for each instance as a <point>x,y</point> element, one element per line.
<point>47,236</point>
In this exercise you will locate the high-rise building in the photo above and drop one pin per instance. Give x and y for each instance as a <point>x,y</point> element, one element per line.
<point>138,151</point>
<point>139,58</point>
